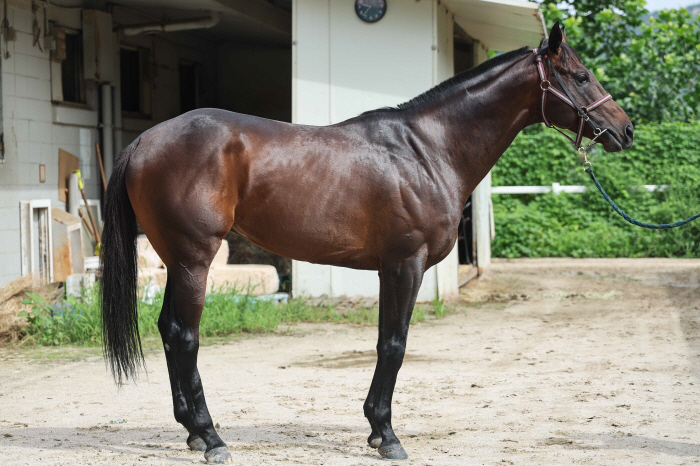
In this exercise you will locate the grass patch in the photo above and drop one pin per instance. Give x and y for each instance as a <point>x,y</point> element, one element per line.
<point>226,312</point>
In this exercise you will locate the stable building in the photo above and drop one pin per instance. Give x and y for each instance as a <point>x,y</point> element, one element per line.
<point>79,72</point>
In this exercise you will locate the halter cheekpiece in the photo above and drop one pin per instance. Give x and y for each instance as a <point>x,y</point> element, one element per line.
<point>566,97</point>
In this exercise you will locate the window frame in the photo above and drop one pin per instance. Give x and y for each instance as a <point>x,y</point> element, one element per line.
<point>57,77</point>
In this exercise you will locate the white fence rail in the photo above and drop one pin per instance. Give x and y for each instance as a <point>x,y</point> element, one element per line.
<point>557,188</point>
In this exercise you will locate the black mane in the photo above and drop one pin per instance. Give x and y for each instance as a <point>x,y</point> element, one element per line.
<point>459,78</point>
<point>565,49</point>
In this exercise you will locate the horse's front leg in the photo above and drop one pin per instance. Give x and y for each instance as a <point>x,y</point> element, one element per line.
<point>375,438</point>
<point>180,333</point>
<point>399,287</point>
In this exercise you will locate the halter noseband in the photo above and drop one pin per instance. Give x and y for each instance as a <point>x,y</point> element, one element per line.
<point>546,86</point>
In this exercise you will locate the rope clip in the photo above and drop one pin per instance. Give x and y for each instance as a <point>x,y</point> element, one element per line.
<point>582,152</point>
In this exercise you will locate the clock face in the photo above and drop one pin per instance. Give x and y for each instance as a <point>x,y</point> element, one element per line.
<point>370,11</point>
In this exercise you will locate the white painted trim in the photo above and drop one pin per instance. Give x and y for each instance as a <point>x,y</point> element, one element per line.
<point>556,188</point>
<point>66,115</point>
<point>28,254</point>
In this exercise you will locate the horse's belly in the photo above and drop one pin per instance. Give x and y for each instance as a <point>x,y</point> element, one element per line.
<point>333,239</point>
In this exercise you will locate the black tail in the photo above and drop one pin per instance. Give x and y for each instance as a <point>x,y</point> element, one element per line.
<point>118,260</point>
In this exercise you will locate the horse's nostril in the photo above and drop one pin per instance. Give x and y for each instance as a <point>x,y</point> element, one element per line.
<point>629,130</point>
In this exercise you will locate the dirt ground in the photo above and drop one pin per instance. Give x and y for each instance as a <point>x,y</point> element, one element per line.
<point>548,362</point>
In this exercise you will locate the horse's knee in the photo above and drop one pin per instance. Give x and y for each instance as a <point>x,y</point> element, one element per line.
<point>392,352</point>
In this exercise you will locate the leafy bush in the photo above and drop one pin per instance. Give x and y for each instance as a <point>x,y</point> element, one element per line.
<point>584,225</point>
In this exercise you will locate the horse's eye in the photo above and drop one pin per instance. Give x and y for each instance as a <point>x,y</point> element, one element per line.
<point>582,78</point>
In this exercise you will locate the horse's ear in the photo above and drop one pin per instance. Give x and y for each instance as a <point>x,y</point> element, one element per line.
<point>556,36</point>
<point>563,33</point>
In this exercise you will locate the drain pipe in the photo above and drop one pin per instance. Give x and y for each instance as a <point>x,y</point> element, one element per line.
<point>182,25</point>
<point>118,122</point>
<point>107,129</point>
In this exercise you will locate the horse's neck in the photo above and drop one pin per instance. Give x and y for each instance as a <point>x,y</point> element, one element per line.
<point>481,117</point>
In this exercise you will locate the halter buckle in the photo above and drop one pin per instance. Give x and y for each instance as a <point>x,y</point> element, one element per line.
<point>548,85</point>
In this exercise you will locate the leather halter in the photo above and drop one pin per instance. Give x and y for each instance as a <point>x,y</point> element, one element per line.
<point>566,97</point>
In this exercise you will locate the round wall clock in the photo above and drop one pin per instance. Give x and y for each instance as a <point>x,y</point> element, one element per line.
<point>370,11</point>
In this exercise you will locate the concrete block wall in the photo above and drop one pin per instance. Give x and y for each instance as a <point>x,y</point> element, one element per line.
<point>32,137</point>
<point>35,127</point>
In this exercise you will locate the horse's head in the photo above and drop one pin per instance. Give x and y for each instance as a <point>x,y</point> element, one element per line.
<point>577,83</point>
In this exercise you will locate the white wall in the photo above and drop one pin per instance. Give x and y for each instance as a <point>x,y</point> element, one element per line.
<point>343,67</point>
<point>481,198</point>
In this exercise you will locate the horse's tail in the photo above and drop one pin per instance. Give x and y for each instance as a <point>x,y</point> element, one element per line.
<point>118,260</point>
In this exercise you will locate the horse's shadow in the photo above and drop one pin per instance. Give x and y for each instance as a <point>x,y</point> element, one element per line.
<point>620,441</point>
<point>686,300</point>
<point>169,443</point>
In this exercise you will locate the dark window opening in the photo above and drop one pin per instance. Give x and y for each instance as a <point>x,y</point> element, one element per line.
<point>72,79</point>
<point>466,242</point>
<point>130,64</point>
<point>188,87</point>
<point>464,56</point>
<point>465,238</point>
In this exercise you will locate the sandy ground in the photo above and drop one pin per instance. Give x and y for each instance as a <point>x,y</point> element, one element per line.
<point>565,362</point>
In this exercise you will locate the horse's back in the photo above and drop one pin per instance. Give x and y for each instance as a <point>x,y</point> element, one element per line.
<point>319,194</point>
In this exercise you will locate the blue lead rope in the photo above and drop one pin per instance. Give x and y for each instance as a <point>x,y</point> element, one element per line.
<point>663,226</point>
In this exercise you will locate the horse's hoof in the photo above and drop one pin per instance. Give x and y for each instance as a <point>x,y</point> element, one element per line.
<point>374,440</point>
<point>218,455</point>
<point>196,443</point>
<point>393,452</point>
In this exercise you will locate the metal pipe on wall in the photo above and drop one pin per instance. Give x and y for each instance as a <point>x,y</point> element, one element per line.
<point>73,194</point>
<point>183,25</point>
<point>107,129</point>
<point>118,122</point>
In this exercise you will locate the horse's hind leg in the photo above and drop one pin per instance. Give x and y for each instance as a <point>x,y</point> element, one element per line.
<point>182,414</point>
<point>179,326</point>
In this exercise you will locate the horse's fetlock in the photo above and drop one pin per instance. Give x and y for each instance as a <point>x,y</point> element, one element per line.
<point>382,415</point>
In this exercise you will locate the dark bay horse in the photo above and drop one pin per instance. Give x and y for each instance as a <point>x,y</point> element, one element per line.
<point>383,191</point>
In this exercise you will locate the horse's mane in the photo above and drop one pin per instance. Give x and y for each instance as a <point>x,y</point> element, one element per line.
<point>470,74</point>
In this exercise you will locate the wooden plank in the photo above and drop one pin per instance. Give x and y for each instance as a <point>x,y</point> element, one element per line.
<point>469,276</point>
<point>67,164</point>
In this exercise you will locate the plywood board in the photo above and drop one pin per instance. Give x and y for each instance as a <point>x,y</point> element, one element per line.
<point>67,164</point>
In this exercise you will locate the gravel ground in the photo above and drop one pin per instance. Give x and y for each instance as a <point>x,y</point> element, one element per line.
<point>547,361</point>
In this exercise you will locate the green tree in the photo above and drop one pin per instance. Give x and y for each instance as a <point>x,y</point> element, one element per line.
<point>650,65</point>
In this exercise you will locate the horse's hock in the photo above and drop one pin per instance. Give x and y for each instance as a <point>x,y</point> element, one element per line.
<point>257,279</point>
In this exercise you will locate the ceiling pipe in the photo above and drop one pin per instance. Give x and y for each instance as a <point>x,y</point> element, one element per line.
<point>182,25</point>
